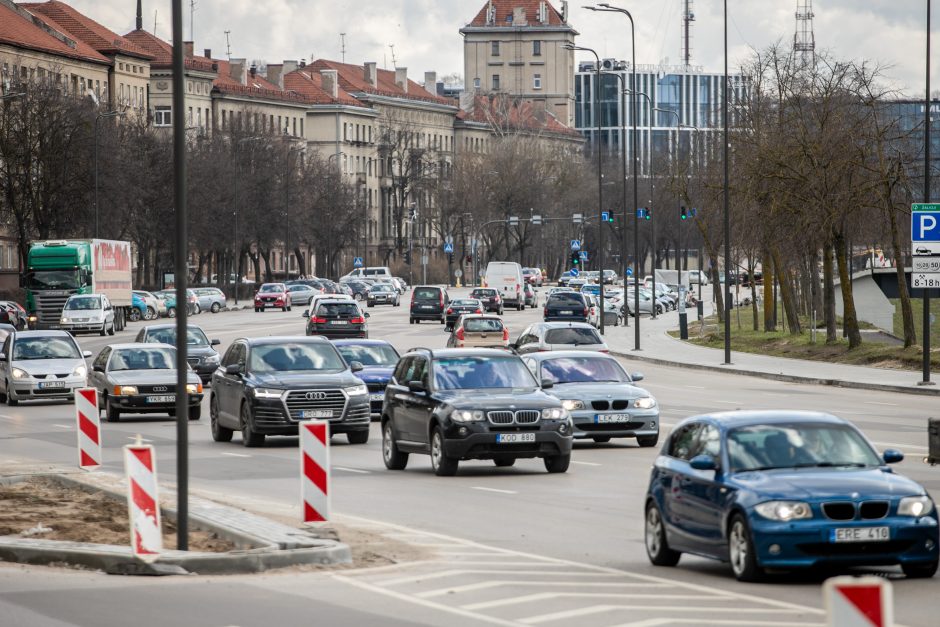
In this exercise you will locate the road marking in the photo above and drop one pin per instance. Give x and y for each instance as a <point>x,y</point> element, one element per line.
<point>443,574</point>
<point>494,490</point>
<point>696,387</point>
<point>63,426</point>
<point>877,403</point>
<point>598,609</point>
<point>659,622</point>
<point>586,463</point>
<point>235,454</point>
<point>542,596</point>
<point>728,402</point>
<point>134,437</point>
<point>354,470</point>
<point>483,585</point>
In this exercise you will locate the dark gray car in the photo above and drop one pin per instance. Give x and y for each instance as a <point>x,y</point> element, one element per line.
<point>200,350</point>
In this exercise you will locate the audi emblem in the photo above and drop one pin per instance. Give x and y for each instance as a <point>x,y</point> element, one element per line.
<point>159,388</point>
<point>315,396</point>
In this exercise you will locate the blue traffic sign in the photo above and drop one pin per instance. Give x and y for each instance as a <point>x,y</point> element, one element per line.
<point>448,248</point>
<point>584,255</point>
<point>925,226</point>
<point>357,262</point>
<point>605,216</point>
<point>629,271</point>
<point>575,272</point>
<point>575,244</point>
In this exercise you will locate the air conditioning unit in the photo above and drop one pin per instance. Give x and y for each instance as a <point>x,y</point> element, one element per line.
<point>586,66</point>
<point>608,64</point>
<point>621,65</point>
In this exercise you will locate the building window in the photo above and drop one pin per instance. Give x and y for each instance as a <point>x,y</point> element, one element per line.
<point>494,45</point>
<point>536,48</point>
<point>537,81</point>
<point>162,116</point>
<point>495,82</point>
<point>476,83</point>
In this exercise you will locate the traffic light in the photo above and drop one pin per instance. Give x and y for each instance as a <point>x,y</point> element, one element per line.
<point>407,257</point>
<point>450,258</point>
<point>683,213</point>
<point>575,259</point>
<point>643,213</point>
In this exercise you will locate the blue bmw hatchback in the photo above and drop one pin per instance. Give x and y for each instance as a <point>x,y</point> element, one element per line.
<point>378,359</point>
<point>785,490</point>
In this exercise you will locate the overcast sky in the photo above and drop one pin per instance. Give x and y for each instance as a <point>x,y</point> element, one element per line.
<point>425,37</point>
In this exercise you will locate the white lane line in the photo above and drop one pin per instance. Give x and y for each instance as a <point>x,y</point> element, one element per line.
<point>698,622</point>
<point>353,470</point>
<point>543,596</point>
<point>134,437</point>
<point>728,402</point>
<point>877,403</point>
<point>63,426</point>
<point>696,387</point>
<point>585,463</point>
<point>442,574</point>
<point>599,609</point>
<point>235,454</point>
<point>484,585</point>
<point>498,491</point>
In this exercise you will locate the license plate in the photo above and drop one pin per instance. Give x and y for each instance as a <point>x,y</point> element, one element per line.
<point>860,534</point>
<point>427,306</point>
<point>606,419</point>
<point>169,398</point>
<point>51,384</point>
<point>317,413</point>
<point>338,322</point>
<point>514,438</point>
<point>377,397</point>
<point>566,313</point>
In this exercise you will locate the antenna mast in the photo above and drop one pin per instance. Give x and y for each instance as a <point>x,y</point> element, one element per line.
<point>394,60</point>
<point>155,23</point>
<point>804,41</point>
<point>342,46</point>
<point>688,16</point>
<point>192,11</point>
<point>228,45</point>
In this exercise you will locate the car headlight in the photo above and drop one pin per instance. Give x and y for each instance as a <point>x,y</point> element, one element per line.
<point>466,415</point>
<point>213,359</point>
<point>64,320</point>
<point>125,390</point>
<point>915,506</point>
<point>357,390</point>
<point>784,511</point>
<point>554,413</point>
<point>20,374</point>
<point>647,402</point>
<point>572,405</point>
<point>80,371</point>
<point>194,388</point>
<point>267,393</point>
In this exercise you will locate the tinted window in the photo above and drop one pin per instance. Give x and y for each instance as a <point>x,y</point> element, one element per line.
<point>295,357</point>
<point>45,348</point>
<point>583,370</point>
<point>762,447</point>
<point>83,303</point>
<point>683,441</point>
<point>481,373</point>
<point>194,336</point>
<point>483,293</point>
<point>709,442</point>
<point>574,336</point>
<point>483,325</point>
<point>465,302</point>
<point>401,371</point>
<point>142,359</point>
<point>566,299</point>
<point>338,309</point>
<point>369,355</point>
<point>271,288</point>
<point>427,293</point>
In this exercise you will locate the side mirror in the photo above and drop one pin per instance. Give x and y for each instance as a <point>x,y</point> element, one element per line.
<point>305,314</point>
<point>233,369</point>
<point>86,354</point>
<point>547,384</point>
<point>98,368</point>
<point>366,314</point>
<point>214,342</point>
<point>356,366</point>
<point>417,387</point>
<point>637,376</point>
<point>703,462</point>
<point>892,456</point>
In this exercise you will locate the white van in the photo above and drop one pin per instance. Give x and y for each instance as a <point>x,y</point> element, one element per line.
<point>506,276</point>
<point>375,272</point>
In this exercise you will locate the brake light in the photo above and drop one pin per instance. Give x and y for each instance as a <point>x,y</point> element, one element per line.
<point>318,320</point>
<point>505,334</point>
<point>545,311</point>
<point>478,311</point>
<point>460,335</point>
<point>442,299</point>
<point>450,310</point>
<point>358,320</point>
<point>604,350</point>
<point>585,311</point>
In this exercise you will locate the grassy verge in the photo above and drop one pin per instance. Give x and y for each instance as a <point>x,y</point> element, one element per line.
<point>782,344</point>
<point>917,306</point>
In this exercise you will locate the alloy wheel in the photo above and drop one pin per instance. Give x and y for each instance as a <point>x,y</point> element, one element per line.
<point>738,547</point>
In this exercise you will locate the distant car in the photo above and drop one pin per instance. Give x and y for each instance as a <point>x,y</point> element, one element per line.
<point>552,336</point>
<point>531,296</point>
<point>378,359</point>
<point>169,298</point>
<point>492,301</point>
<point>566,306</point>
<point>506,278</point>
<point>92,313</point>
<point>141,379</point>
<point>12,313</point>
<point>785,490</point>
<point>565,278</point>
<point>360,289</point>
<point>211,299</point>
<point>200,352</point>
<point>146,303</point>
<point>37,365</point>
<point>459,307</point>
<point>532,276</point>
<point>337,318</point>
<point>301,293</point>
<point>479,331</point>
<point>272,295</point>
<point>428,302</point>
<point>383,294</point>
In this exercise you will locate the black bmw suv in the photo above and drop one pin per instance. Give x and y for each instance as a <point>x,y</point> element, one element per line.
<point>266,386</point>
<point>461,404</point>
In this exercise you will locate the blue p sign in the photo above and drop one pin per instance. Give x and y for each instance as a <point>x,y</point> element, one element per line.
<point>925,226</point>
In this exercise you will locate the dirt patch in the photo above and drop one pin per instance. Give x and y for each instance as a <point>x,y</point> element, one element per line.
<point>45,509</point>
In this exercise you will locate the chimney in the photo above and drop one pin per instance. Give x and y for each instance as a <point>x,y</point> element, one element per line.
<point>543,12</point>
<point>238,70</point>
<point>253,70</point>
<point>564,11</point>
<point>290,66</point>
<point>188,49</point>
<point>430,82</point>
<point>401,78</point>
<point>140,15</point>
<point>276,74</point>
<point>303,63</point>
<point>518,17</point>
<point>370,73</point>
<point>329,79</point>
<point>207,53</point>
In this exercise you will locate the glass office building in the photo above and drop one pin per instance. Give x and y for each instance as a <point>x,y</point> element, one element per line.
<point>910,116</point>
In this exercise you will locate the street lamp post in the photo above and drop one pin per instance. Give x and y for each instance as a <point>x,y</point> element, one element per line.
<point>927,316</point>
<point>724,115</point>
<point>98,117</point>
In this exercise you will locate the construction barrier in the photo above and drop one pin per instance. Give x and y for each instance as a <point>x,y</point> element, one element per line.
<point>140,466</point>
<point>88,427</point>
<point>858,602</point>
<point>315,470</point>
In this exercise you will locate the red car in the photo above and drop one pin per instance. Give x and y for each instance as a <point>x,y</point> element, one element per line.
<point>272,295</point>
<point>532,276</point>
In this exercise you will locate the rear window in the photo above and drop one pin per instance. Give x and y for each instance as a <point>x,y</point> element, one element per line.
<point>483,325</point>
<point>574,336</point>
<point>484,293</point>
<point>428,293</point>
<point>566,299</point>
<point>338,309</point>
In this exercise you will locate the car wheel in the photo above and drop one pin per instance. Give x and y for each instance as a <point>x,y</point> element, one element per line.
<point>104,329</point>
<point>112,413</point>
<point>134,315</point>
<point>647,441</point>
<point>441,462</point>
<point>195,413</point>
<point>197,309</point>
<point>215,308</point>
<point>219,433</point>
<point>249,437</point>
<point>171,312</point>
<point>370,304</point>
<point>741,551</point>
<point>920,571</point>
<point>358,437</point>
<point>3,397</point>
<point>358,297</point>
<point>283,308</point>
<point>151,313</point>
<point>557,463</point>
<point>393,458</point>
<point>601,439</point>
<point>657,549</point>
<point>504,462</point>
<point>111,328</point>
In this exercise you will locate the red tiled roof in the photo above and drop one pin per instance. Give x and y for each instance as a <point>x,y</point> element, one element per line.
<point>64,18</point>
<point>308,82</point>
<point>162,52</point>
<point>511,114</point>
<point>352,79</point>
<point>256,86</point>
<point>504,10</point>
<point>19,31</point>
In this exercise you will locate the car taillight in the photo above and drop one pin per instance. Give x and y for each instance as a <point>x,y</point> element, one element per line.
<point>478,311</point>
<point>505,334</point>
<point>450,310</point>
<point>318,320</point>
<point>604,350</point>
<point>412,298</point>
<point>585,311</point>
<point>358,320</point>
<point>545,311</point>
<point>460,335</point>
<point>442,299</point>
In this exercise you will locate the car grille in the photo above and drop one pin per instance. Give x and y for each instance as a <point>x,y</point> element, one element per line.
<point>375,388</point>
<point>360,412</point>
<point>871,510</point>
<point>600,405</point>
<point>267,415</point>
<point>51,391</point>
<point>49,308</point>
<point>192,361</point>
<point>50,376</point>
<point>156,389</point>
<point>297,402</point>
<point>622,426</point>
<point>839,511</point>
<point>521,417</point>
<point>621,404</point>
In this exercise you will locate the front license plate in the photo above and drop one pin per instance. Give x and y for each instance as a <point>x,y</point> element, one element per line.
<point>317,413</point>
<point>860,534</point>
<point>338,322</point>
<point>514,438</point>
<point>606,419</point>
<point>377,397</point>
<point>51,384</point>
<point>169,398</point>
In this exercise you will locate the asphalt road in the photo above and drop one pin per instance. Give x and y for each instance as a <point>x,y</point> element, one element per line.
<point>569,546</point>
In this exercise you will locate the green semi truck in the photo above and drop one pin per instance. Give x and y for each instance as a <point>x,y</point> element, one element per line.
<point>56,269</point>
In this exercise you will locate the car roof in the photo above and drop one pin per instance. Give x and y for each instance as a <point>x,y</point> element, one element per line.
<point>472,316</point>
<point>570,354</point>
<point>746,418</point>
<point>140,345</point>
<point>169,325</point>
<point>558,324</point>
<point>45,333</point>
<point>275,339</point>
<point>470,352</point>
<point>363,342</point>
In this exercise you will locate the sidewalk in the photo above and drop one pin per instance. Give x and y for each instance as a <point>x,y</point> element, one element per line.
<point>658,347</point>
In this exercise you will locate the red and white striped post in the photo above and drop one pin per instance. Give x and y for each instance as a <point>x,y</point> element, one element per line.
<point>88,423</point>
<point>315,470</point>
<point>143,502</point>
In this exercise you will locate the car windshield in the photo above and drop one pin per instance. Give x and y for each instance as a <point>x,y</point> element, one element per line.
<point>271,288</point>
<point>53,280</point>
<point>48,347</point>
<point>583,370</point>
<point>382,287</point>
<point>83,303</point>
<point>483,325</point>
<point>465,302</point>
<point>479,373</point>
<point>427,293</point>
<point>295,357</point>
<point>194,336</point>
<point>369,354</point>
<point>575,336</point>
<point>338,309</point>
<point>799,445</point>
<point>483,293</point>
<point>566,299</point>
<point>142,359</point>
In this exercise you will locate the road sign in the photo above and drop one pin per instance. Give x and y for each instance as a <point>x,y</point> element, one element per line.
<point>575,244</point>
<point>315,470</point>
<point>925,229</point>
<point>458,273</point>
<point>858,602</point>
<point>925,264</point>
<point>584,255</point>
<point>605,216</point>
<point>574,272</point>
<point>921,281</point>
<point>577,218</point>
<point>357,262</point>
<point>536,220</point>
<point>513,221</point>
<point>449,239</point>
<point>629,271</point>
<point>88,419</point>
<point>448,248</point>
<point>143,502</point>
<point>424,260</point>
